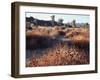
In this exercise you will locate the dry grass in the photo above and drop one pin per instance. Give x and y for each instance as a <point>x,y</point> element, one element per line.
<point>79,36</point>
<point>44,31</point>
<point>60,53</point>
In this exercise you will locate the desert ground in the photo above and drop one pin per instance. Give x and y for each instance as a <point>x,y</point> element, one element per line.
<point>56,46</point>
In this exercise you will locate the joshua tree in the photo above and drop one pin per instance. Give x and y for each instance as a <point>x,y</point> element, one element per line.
<point>35,23</point>
<point>74,23</point>
<point>60,22</point>
<point>86,25</point>
<point>53,20</point>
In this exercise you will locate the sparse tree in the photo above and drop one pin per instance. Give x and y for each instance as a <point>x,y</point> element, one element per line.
<point>35,23</point>
<point>60,22</point>
<point>74,23</point>
<point>52,20</point>
<point>86,25</point>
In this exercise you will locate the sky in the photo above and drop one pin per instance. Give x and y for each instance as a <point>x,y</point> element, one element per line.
<point>66,17</point>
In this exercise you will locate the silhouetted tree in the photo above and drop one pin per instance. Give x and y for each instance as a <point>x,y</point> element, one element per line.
<point>60,22</point>
<point>35,22</point>
<point>74,23</point>
<point>52,20</point>
<point>86,25</point>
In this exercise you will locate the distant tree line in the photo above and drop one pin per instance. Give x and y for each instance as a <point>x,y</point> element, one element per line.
<point>31,21</point>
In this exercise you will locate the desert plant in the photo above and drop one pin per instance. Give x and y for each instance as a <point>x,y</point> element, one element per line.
<point>52,20</point>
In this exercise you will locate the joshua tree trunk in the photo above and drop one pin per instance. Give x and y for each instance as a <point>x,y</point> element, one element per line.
<point>74,23</point>
<point>53,20</point>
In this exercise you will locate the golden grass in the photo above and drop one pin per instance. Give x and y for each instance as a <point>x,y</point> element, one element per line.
<point>78,34</point>
<point>60,53</point>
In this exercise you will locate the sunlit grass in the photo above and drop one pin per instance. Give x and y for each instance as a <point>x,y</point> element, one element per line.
<point>60,53</point>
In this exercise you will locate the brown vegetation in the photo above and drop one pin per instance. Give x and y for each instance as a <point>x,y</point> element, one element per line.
<point>73,51</point>
<point>59,55</point>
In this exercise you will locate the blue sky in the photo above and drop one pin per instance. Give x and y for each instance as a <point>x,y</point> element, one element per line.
<point>66,17</point>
